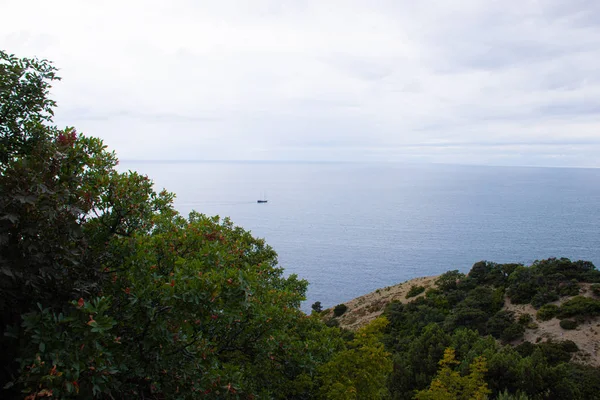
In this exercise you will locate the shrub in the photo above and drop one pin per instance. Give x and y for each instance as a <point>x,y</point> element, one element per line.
<point>544,297</point>
<point>568,324</point>
<point>596,289</point>
<point>449,280</point>
<point>513,332</point>
<point>415,291</point>
<point>580,306</point>
<point>501,326</point>
<point>569,346</point>
<point>317,307</point>
<point>570,288</point>
<point>547,312</point>
<point>339,310</point>
<point>525,349</point>
<point>525,319</point>
<point>554,352</point>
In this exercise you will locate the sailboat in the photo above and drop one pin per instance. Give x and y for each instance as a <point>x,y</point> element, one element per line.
<point>263,200</point>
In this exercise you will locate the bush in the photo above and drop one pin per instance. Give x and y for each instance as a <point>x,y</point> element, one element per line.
<point>547,312</point>
<point>544,297</point>
<point>525,319</point>
<point>339,310</point>
<point>596,289</point>
<point>415,291</point>
<point>525,349</point>
<point>568,324</point>
<point>569,346</point>
<point>570,288</point>
<point>555,353</point>
<point>502,325</point>
<point>449,280</point>
<point>580,306</point>
<point>513,332</point>
<point>317,307</point>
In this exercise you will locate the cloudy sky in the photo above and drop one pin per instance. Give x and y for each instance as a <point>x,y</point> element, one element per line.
<point>512,82</point>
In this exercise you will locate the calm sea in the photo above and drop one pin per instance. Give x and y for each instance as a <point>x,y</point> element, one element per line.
<point>352,228</point>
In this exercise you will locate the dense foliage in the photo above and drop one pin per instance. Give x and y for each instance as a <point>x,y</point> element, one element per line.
<point>464,309</point>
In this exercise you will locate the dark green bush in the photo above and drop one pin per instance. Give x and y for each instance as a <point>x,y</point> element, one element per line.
<point>317,307</point>
<point>570,288</point>
<point>596,289</point>
<point>544,297</point>
<point>554,352</point>
<point>580,306</point>
<point>569,346</point>
<point>547,312</point>
<point>415,291</point>
<point>339,310</point>
<point>525,319</point>
<point>502,325</point>
<point>513,332</point>
<point>525,349</point>
<point>568,324</point>
<point>449,280</point>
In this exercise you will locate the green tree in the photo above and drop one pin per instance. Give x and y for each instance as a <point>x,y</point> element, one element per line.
<point>121,297</point>
<point>450,385</point>
<point>360,371</point>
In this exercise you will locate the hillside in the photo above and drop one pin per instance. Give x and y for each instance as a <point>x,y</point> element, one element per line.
<point>364,309</point>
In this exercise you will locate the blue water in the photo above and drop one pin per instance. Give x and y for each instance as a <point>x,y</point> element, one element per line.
<point>352,228</point>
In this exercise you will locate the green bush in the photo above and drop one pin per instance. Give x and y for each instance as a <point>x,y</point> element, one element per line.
<point>525,319</point>
<point>339,310</point>
<point>502,325</point>
<point>544,297</point>
<point>555,353</point>
<point>513,332</point>
<point>449,280</point>
<point>596,289</point>
<point>317,307</point>
<point>569,346</point>
<point>415,291</point>
<point>547,312</point>
<point>525,349</point>
<point>570,288</point>
<point>568,324</point>
<point>580,306</point>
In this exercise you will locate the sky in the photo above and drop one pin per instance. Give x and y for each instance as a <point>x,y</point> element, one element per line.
<point>511,82</point>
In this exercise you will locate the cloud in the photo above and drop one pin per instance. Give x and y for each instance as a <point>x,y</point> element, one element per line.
<point>467,81</point>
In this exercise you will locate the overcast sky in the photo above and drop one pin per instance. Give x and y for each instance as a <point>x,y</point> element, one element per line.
<point>511,82</point>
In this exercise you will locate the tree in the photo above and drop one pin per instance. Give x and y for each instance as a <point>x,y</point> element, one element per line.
<point>24,104</point>
<point>360,371</point>
<point>120,296</point>
<point>450,385</point>
<point>317,307</point>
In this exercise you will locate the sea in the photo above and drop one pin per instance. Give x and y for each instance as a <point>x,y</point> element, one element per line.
<point>351,228</point>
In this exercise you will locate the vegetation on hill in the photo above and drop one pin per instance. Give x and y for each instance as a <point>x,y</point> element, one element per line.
<point>465,313</point>
<point>107,292</point>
